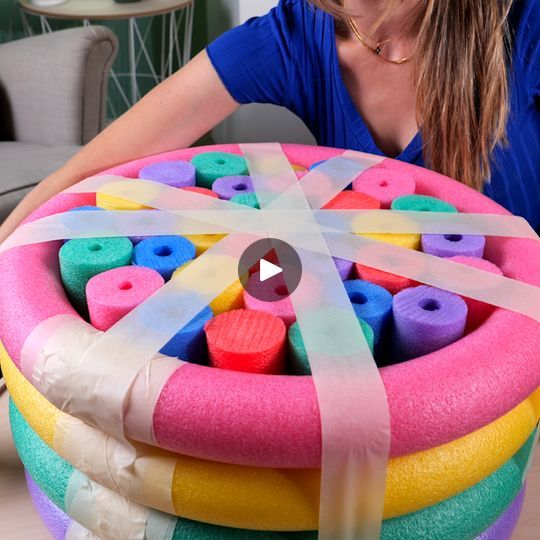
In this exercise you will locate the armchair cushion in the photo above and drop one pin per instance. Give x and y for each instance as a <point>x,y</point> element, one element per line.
<point>53,86</point>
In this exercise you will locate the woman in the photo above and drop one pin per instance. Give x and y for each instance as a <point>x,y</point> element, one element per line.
<point>451,84</point>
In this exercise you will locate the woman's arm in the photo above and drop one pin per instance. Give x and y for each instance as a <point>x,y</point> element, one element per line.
<point>173,115</point>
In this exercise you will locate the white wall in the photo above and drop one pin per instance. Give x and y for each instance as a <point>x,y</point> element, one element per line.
<point>253,122</point>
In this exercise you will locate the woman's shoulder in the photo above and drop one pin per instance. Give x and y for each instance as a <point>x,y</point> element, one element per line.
<point>525,20</point>
<point>525,35</point>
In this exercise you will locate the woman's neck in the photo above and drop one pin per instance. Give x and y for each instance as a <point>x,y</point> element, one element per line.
<point>375,18</point>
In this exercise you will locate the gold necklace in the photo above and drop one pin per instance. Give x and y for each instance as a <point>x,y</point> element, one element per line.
<point>377,49</point>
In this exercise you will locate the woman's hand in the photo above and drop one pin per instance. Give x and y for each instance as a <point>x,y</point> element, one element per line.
<point>173,115</point>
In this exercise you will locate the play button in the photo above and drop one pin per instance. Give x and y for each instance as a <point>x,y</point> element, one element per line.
<point>270,270</point>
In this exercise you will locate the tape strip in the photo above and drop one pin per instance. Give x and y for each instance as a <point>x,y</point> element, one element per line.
<point>286,200</point>
<point>112,463</point>
<point>354,411</point>
<point>102,511</point>
<point>490,288</point>
<point>78,532</point>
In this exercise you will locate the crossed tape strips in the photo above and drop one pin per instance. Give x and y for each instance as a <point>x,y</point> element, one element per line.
<point>352,401</point>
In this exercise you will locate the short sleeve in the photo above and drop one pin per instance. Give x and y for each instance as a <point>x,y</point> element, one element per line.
<point>253,59</point>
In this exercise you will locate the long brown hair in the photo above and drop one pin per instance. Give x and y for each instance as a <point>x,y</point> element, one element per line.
<point>461,80</point>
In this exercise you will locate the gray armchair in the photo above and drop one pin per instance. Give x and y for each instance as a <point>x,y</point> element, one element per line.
<point>53,90</point>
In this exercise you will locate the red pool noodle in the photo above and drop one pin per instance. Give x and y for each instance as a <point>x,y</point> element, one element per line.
<point>247,340</point>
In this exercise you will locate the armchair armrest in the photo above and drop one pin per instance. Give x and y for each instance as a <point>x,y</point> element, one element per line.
<point>53,87</point>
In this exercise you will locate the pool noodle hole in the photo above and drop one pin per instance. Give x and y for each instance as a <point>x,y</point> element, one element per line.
<point>453,237</point>
<point>429,304</point>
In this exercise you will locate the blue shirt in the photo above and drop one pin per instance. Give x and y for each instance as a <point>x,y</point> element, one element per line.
<point>289,58</point>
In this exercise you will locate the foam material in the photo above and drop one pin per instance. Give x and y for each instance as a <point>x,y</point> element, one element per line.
<point>352,200</point>
<point>288,499</point>
<point>463,516</point>
<point>478,311</point>
<point>427,319</point>
<point>189,343</point>
<point>316,164</point>
<point>247,199</point>
<point>202,191</point>
<point>228,187</point>
<point>56,521</point>
<point>204,242</point>
<point>422,203</point>
<point>246,340</point>
<point>391,282</point>
<point>114,293</point>
<point>231,298</point>
<point>164,254</point>
<point>213,165</point>
<point>385,185</point>
<point>83,258</point>
<point>343,267</point>
<point>447,396</point>
<point>281,305</point>
<point>371,303</point>
<point>409,241</point>
<point>502,529</point>
<point>298,359</point>
<point>171,173</point>
<point>453,245</point>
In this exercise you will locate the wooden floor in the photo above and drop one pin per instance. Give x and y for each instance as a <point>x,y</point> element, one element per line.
<point>19,520</point>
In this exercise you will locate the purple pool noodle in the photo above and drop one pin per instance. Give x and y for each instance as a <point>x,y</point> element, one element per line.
<point>227,187</point>
<point>452,245</point>
<point>56,521</point>
<point>171,173</point>
<point>343,267</point>
<point>504,527</point>
<point>426,319</point>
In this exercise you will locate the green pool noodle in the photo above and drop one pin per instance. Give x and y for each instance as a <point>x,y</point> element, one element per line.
<point>299,363</point>
<point>422,203</point>
<point>247,199</point>
<point>210,166</point>
<point>83,258</point>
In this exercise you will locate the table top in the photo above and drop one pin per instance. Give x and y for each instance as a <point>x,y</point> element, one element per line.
<point>104,9</point>
<point>20,521</point>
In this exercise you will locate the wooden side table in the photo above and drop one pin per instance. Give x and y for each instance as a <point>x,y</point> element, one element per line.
<point>174,15</point>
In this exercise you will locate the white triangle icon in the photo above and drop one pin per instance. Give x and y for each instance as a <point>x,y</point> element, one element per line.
<point>268,270</point>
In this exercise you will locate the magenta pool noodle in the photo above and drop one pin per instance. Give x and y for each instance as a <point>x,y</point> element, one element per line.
<point>426,319</point>
<point>227,187</point>
<point>453,245</point>
<point>171,173</point>
<point>113,294</point>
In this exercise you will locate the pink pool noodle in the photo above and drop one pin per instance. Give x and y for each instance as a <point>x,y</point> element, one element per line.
<point>384,184</point>
<point>279,303</point>
<point>273,420</point>
<point>113,294</point>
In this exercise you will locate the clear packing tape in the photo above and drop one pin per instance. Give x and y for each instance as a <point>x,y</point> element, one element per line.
<point>352,400</point>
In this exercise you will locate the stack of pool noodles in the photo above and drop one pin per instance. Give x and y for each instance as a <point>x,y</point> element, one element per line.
<point>240,420</point>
